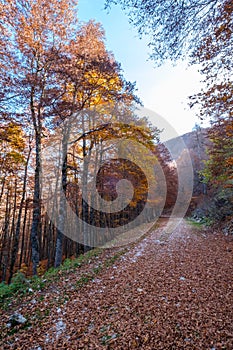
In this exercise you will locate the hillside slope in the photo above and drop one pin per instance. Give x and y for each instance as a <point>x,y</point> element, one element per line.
<point>166,292</point>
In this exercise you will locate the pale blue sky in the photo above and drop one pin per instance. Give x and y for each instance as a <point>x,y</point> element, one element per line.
<point>163,90</point>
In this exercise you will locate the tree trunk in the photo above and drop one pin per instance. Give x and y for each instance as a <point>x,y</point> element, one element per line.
<point>23,245</point>
<point>62,204</point>
<point>36,215</point>
<point>17,230</point>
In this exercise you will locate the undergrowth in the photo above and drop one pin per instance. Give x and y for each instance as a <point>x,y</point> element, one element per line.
<point>200,223</point>
<point>21,285</point>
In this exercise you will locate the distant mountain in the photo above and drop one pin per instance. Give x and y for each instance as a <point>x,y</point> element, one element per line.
<point>196,143</point>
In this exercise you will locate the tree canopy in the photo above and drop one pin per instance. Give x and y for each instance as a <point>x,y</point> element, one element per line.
<point>172,27</point>
<point>54,69</point>
<point>215,100</point>
<point>202,32</point>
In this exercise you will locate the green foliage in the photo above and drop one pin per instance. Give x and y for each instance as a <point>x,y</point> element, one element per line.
<point>97,270</point>
<point>201,220</point>
<point>196,224</point>
<point>4,291</point>
<point>21,285</point>
<point>216,209</point>
<point>215,99</point>
<point>112,260</point>
<point>18,286</point>
<point>19,281</point>
<point>69,264</point>
<point>37,283</point>
<point>84,280</point>
<point>218,171</point>
<point>222,207</point>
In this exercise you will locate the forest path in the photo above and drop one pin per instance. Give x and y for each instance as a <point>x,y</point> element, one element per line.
<point>170,293</point>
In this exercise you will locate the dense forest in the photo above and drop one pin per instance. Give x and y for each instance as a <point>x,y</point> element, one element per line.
<point>69,128</point>
<point>68,117</point>
<point>109,237</point>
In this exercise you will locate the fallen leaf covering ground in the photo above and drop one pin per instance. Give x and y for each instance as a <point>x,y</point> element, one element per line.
<point>172,293</point>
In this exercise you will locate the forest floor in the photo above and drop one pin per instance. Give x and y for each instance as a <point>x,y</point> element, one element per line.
<point>173,292</point>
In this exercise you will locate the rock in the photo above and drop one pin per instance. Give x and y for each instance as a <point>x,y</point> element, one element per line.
<point>182,278</point>
<point>17,319</point>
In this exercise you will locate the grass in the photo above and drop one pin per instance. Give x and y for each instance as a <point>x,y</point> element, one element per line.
<point>21,285</point>
<point>204,222</point>
<point>85,278</point>
<point>109,262</point>
<point>194,223</point>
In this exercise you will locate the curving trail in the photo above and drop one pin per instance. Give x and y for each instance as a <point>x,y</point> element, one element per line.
<point>163,293</point>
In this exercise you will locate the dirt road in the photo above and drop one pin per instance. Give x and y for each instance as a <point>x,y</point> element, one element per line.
<point>172,292</point>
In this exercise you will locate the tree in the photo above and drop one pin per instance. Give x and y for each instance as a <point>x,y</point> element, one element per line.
<point>216,98</point>
<point>174,28</point>
<point>12,159</point>
<point>91,78</point>
<point>216,103</point>
<point>33,33</point>
<point>51,69</point>
<point>170,173</point>
<point>202,31</point>
<point>111,156</point>
<point>15,245</point>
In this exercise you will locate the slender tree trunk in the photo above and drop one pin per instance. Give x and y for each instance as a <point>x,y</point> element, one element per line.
<point>62,204</point>
<point>51,249</point>
<point>36,215</point>
<point>2,189</point>
<point>23,246</point>
<point>18,224</point>
<point>6,237</point>
<point>27,250</point>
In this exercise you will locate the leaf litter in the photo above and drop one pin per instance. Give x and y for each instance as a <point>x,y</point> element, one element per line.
<point>175,295</point>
